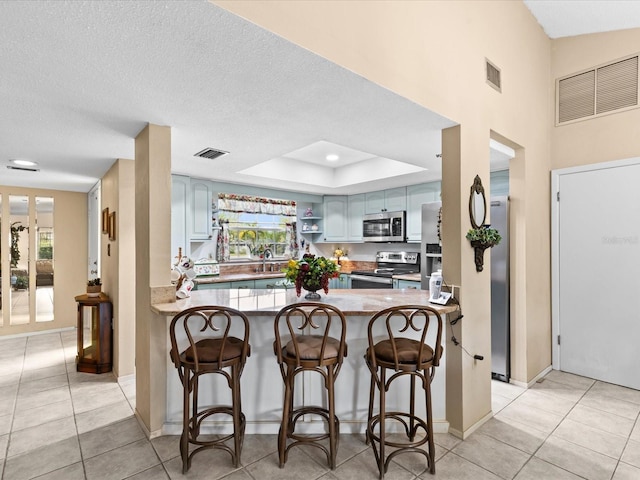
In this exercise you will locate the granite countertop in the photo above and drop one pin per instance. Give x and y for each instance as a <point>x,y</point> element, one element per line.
<point>268,301</point>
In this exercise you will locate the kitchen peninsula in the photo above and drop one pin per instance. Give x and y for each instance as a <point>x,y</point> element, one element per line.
<point>261,381</point>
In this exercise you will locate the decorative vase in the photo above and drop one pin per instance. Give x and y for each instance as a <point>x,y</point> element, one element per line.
<point>312,287</point>
<point>94,290</point>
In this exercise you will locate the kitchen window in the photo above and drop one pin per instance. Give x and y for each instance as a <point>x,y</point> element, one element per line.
<point>251,225</point>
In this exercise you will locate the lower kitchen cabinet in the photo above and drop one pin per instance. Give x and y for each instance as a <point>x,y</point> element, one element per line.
<point>342,281</point>
<point>270,283</point>
<point>210,286</point>
<point>406,284</point>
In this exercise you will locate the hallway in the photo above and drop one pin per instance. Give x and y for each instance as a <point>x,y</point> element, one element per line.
<point>56,423</point>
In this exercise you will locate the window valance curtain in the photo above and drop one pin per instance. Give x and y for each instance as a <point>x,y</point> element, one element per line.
<point>250,204</point>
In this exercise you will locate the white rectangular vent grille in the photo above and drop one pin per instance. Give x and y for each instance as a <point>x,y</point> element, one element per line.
<point>210,153</point>
<point>493,76</point>
<point>598,91</point>
<point>576,96</point>
<point>617,86</point>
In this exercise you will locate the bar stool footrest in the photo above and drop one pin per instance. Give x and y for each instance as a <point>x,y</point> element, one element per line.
<point>410,446</point>
<point>219,443</point>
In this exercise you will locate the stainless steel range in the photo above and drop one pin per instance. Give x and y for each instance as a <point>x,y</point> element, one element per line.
<point>387,265</point>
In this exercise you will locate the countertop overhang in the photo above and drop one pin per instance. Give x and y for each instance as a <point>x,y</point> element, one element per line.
<point>268,301</point>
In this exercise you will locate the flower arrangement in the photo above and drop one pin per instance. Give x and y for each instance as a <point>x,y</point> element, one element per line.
<point>484,235</point>
<point>311,273</point>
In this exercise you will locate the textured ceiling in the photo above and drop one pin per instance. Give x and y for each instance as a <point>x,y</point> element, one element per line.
<point>567,18</point>
<point>80,79</point>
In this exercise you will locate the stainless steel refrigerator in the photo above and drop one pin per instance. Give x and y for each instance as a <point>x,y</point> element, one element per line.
<point>431,251</point>
<point>500,318</point>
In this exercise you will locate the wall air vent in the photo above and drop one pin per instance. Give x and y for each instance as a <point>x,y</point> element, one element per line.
<point>210,153</point>
<point>598,91</point>
<point>493,76</point>
<point>26,169</point>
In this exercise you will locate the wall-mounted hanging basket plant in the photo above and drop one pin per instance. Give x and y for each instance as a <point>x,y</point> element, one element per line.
<point>482,238</point>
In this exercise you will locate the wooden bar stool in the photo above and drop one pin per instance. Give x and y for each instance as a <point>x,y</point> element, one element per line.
<point>403,356</point>
<point>201,343</point>
<point>313,341</point>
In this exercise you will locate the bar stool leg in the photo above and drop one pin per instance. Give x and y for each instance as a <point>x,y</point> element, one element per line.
<point>412,408</point>
<point>235,406</point>
<point>331,419</point>
<point>432,448</point>
<point>383,399</point>
<point>184,439</point>
<point>372,392</point>
<point>286,414</point>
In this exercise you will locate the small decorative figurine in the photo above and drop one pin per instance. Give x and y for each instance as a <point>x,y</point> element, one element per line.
<point>308,212</point>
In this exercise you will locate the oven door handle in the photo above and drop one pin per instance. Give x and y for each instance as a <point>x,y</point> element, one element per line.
<point>368,278</point>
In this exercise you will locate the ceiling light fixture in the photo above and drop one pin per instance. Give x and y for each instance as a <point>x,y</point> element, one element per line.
<point>332,157</point>
<point>24,163</point>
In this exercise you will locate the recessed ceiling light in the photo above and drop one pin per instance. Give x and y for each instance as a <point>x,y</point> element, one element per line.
<point>24,163</point>
<point>332,157</point>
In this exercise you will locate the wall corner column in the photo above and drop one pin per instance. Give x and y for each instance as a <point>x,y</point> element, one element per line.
<point>468,382</point>
<point>153,235</point>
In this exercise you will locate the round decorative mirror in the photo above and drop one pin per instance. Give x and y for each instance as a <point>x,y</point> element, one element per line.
<point>477,204</point>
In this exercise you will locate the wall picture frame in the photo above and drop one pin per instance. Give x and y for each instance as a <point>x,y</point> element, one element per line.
<point>105,220</point>
<point>112,226</point>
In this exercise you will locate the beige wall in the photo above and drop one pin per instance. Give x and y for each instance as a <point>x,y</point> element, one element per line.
<point>118,262</point>
<point>433,52</point>
<point>610,137</point>
<point>70,255</point>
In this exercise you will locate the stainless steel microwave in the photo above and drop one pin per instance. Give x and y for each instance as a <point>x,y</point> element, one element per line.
<point>384,227</point>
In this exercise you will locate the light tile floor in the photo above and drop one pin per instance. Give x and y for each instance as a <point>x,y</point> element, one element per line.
<point>56,423</point>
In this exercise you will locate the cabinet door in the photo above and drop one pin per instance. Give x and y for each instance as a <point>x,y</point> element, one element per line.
<point>416,196</point>
<point>390,200</point>
<point>200,209</point>
<point>335,218</point>
<point>395,199</point>
<point>212,286</point>
<point>408,284</point>
<point>243,284</point>
<point>374,202</point>
<point>179,207</point>
<point>355,212</point>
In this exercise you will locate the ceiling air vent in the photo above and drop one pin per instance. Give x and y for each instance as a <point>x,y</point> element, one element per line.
<point>493,76</point>
<point>598,91</point>
<point>210,153</point>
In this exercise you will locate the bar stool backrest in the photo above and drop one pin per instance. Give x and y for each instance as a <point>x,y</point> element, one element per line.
<point>400,320</point>
<point>323,321</point>
<point>229,326</point>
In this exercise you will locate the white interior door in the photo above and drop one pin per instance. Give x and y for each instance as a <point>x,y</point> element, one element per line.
<point>597,274</point>
<point>93,231</point>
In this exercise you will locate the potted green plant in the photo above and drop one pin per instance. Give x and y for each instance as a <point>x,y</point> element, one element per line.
<point>94,287</point>
<point>481,238</point>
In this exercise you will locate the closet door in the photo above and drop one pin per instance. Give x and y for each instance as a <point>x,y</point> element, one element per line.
<point>598,252</point>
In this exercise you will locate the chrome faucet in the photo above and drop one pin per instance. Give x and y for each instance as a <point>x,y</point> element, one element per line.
<point>267,253</point>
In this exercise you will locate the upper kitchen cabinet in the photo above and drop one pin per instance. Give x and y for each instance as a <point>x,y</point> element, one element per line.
<point>180,187</point>
<point>354,218</point>
<point>391,200</point>
<point>416,196</point>
<point>201,192</point>
<point>335,218</point>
